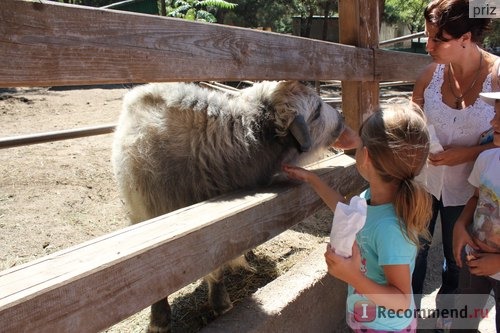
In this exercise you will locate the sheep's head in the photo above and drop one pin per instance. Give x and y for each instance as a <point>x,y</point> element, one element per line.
<point>300,111</point>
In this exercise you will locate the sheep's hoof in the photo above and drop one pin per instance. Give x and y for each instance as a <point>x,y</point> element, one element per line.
<point>220,309</point>
<point>161,318</point>
<point>219,300</point>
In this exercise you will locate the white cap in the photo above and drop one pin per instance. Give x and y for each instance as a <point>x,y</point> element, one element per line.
<point>490,97</point>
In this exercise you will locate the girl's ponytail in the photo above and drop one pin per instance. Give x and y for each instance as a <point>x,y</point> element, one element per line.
<point>414,207</point>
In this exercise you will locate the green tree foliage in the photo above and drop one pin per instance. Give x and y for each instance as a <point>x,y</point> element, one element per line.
<point>310,8</point>
<point>409,12</point>
<point>277,14</point>
<point>198,10</point>
<point>492,39</point>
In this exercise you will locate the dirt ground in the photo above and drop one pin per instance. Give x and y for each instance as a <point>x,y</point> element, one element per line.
<point>59,194</point>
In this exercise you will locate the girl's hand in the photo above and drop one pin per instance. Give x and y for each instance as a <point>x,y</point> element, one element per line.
<point>298,173</point>
<point>327,194</point>
<point>345,269</point>
<point>485,264</point>
<point>395,294</point>
<point>461,238</point>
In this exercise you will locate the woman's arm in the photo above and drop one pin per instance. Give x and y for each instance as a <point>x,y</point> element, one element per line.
<point>421,83</point>
<point>395,295</point>
<point>458,155</point>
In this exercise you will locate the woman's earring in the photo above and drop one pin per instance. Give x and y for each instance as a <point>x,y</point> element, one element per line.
<point>463,46</point>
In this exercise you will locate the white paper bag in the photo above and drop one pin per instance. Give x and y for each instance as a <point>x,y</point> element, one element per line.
<point>431,175</point>
<point>347,221</point>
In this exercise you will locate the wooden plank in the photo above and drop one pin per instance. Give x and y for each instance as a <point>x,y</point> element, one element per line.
<point>399,66</point>
<point>28,139</point>
<point>50,44</point>
<point>359,25</point>
<point>46,43</point>
<point>349,22</point>
<point>370,17</point>
<point>93,285</point>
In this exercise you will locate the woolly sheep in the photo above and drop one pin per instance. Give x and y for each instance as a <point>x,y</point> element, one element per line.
<point>177,144</point>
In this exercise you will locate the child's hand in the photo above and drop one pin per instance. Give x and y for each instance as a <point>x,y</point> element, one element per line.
<point>485,264</point>
<point>461,238</point>
<point>297,173</point>
<point>345,269</point>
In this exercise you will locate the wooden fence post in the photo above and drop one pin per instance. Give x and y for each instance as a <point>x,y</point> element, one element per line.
<point>359,26</point>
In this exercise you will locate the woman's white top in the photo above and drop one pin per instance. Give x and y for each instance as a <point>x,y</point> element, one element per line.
<point>455,127</point>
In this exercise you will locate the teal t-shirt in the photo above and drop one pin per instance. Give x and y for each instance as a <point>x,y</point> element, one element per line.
<point>382,242</point>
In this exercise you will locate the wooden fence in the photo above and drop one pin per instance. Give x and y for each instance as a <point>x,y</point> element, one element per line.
<point>98,283</point>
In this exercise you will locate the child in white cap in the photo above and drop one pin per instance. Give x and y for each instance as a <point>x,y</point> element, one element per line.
<point>476,235</point>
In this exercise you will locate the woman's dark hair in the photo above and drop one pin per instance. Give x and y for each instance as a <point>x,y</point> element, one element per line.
<point>452,16</point>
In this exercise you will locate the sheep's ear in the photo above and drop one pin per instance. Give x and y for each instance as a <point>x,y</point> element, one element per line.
<point>300,132</point>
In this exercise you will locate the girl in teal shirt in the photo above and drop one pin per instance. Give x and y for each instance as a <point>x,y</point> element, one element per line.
<point>393,148</point>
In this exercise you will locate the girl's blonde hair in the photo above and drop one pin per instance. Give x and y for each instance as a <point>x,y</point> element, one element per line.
<point>397,141</point>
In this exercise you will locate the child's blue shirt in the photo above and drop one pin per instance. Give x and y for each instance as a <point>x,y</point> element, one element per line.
<point>382,242</point>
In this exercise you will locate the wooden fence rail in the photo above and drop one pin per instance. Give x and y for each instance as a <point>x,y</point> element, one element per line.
<point>48,44</point>
<point>96,284</point>
<point>22,140</point>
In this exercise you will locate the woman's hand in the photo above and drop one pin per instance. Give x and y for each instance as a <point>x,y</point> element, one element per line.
<point>454,155</point>
<point>484,264</point>
<point>345,269</point>
<point>450,156</point>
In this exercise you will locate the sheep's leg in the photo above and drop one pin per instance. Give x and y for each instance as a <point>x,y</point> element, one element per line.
<point>217,294</point>
<point>161,317</point>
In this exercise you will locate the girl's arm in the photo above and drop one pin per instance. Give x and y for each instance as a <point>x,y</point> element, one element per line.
<point>329,195</point>
<point>395,295</point>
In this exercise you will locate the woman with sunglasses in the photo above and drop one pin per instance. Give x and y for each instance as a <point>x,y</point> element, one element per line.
<point>448,91</point>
